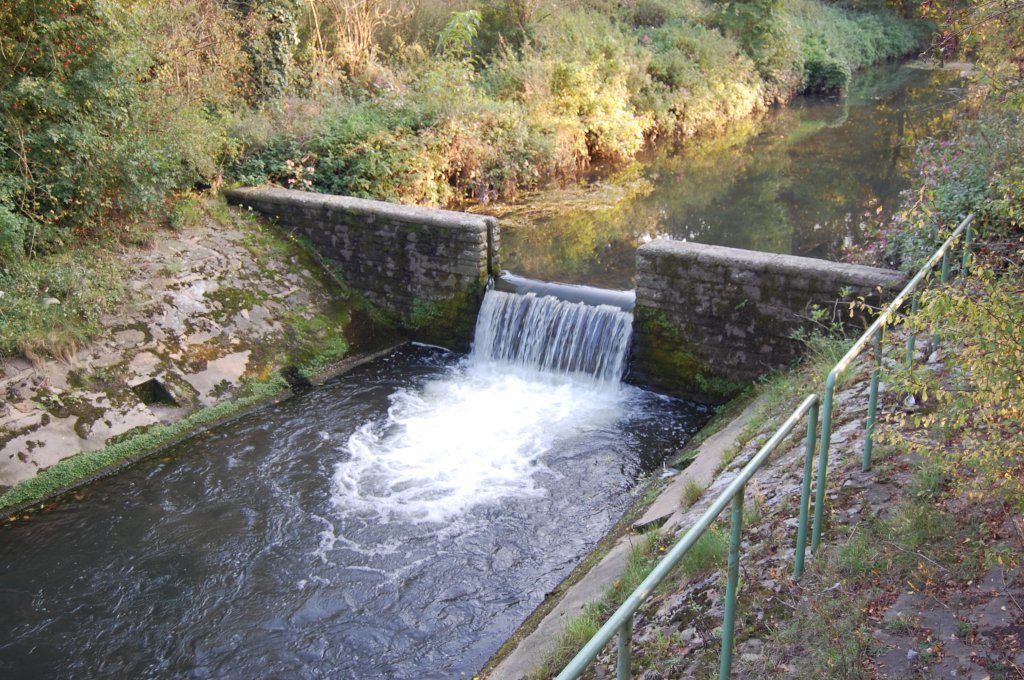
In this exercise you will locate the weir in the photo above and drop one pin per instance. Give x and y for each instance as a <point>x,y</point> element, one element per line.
<point>549,334</point>
<point>553,366</point>
<point>512,283</point>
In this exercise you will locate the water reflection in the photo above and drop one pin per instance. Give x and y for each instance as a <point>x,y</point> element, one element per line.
<point>801,180</point>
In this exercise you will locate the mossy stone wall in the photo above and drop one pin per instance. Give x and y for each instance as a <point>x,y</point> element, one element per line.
<point>710,319</point>
<point>426,268</point>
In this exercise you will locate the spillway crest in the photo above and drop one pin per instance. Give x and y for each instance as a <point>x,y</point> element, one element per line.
<point>552,335</point>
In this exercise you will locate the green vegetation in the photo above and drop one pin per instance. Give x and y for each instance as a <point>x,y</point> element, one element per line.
<point>116,113</point>
<point>692,492</point>
<point>709,552</point>
<point>51,305</point>
<point>963,432</point>
<point>508,92</point>
<point>974,407</point>
<point>580,628</point>
<point>926,545</point>
<point>111,105</point>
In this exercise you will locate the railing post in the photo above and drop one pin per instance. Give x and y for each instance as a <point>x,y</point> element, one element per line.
<point>869,430</point>
<point>968,235</point>
<point>911,338</point>
<point>732,582</point>
<point>622,659</point>
<point>805,490</point>
<point>826,440</point>
<point>943,278</point>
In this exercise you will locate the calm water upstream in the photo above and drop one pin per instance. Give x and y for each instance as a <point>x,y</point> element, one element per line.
<point>398,523</point>
<point>800,180</point>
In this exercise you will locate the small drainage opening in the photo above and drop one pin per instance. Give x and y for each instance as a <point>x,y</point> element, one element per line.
<point>152,392</point>
<point>296,378</point>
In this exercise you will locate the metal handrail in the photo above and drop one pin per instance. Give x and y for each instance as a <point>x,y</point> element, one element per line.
<point>874,335</point>
<point>620,623</point>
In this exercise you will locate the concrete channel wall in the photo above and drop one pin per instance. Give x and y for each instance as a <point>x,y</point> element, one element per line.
<point>710,319</point>
<point>428,268</point>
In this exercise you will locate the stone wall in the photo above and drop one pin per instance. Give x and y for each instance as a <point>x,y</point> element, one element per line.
<point>710,319</point>
<point>428,268</point>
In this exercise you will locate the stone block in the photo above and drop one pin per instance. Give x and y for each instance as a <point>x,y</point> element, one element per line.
<point>394,254</point>
<point>728,315</point>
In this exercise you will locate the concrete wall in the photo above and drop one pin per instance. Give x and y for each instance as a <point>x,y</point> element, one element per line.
<point>426,267</point>
<point>709,319</point>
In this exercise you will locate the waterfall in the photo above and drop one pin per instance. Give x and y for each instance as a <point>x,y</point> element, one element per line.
<point>542,372</point>
<point>552,335</point>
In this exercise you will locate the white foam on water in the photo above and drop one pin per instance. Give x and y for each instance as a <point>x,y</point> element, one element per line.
<point>475,436</point>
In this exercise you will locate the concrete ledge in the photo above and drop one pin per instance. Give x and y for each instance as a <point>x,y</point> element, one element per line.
<point>308,200</point>
<point>709,319</point>
<point>427,268</point>
<point>662,253</point>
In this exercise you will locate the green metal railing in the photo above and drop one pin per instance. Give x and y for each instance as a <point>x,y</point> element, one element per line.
<point>874,335</point>
<point>620,624</point>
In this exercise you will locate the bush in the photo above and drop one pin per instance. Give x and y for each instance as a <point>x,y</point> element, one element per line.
<point>978,171</point>
<point>698,79</point>
<point>764,31</point>
<point>14,229</point>
<point>835,42</point>
<point>91,134</point>
<point>649,14</point>
<point>980,402</point>
<point>536,90</point>
<point>824,75</point>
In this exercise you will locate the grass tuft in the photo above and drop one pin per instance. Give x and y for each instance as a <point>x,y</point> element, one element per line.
<point>692,492</point>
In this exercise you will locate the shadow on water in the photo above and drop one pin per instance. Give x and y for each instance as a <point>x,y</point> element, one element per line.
<point>802,180</point>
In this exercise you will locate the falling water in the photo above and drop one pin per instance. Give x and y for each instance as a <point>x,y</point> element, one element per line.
<point>552,335</point>
<point>542,373</point>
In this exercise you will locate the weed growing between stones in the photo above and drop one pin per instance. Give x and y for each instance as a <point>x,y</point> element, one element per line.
<point>692,492</point>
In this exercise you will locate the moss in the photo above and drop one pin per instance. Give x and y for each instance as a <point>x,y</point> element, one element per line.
<point>233,300</point>
<point>449,323</point>
<point>663,361</point>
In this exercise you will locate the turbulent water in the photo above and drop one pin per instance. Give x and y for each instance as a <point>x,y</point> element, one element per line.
<point>398,523</point>
<point>541,370</point>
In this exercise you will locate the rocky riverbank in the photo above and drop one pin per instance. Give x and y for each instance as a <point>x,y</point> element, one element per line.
<point>219,310</point>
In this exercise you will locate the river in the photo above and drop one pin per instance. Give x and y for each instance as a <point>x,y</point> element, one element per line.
<point>403,520</point>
